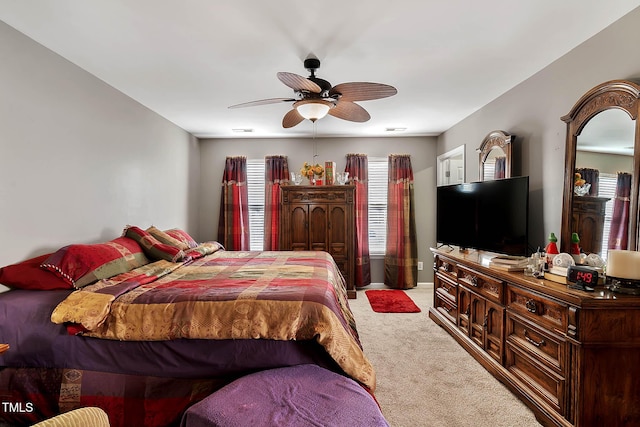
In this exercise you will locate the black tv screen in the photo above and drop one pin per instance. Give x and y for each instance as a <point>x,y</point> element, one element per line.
<point>488,215</point>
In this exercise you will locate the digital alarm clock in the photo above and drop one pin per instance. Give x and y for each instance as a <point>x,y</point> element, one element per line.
<point>582,278</point>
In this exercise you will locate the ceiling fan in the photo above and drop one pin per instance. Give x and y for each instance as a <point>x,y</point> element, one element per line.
<point>315,97</point>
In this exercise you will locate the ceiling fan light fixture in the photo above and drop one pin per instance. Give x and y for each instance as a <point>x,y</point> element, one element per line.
<point>313,109</point>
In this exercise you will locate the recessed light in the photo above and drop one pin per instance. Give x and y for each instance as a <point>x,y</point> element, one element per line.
<point>395,129</point>
<point>242,130</point>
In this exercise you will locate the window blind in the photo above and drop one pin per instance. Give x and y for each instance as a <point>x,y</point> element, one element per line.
<point>489,171</point>
<point>378,185</point>
<point>255,189</point>
<point>607,188</point>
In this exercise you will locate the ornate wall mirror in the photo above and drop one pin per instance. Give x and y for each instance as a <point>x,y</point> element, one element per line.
<point>603,137</point>
<point>495,156</point>
<point>451,167</point>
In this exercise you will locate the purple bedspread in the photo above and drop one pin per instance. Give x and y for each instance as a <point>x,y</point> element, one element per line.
<point>36,342</point>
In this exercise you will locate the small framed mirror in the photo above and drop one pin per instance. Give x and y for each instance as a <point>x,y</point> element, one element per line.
<point>495,154</point>
<point>451,167</point>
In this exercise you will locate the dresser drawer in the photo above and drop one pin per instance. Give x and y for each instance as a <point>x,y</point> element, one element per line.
<point>446,267</point>
<point>445,307</point>
<point>548,348</point>
<point>487,286</point>
<point>540,309</point>
<point>446,287</point>
<point>544,383</point>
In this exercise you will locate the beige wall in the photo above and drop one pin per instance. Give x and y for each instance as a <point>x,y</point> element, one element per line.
<point>80,160</point>
<point>605,163</point>
<point>532,112</point>
<point>423,160</point>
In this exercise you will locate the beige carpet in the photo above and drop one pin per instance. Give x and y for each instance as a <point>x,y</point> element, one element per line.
<point>424,377</point>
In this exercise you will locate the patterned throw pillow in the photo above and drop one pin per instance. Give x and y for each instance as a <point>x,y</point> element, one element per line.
<point>28,275</point>
<point>81,265</point>
<point>152,246</point>
<point>167,239</point>
<point>183,236</point>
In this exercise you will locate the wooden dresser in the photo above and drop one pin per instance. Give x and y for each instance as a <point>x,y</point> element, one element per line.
<point>321,218</point>
<point>588,221</point>
<point>573,357</point>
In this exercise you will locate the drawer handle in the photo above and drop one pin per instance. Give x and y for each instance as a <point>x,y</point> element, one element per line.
<point>446,267</point>
<point>448,309</point>
<point>473,280</point>
<point>532,341</point>
<point>531,306</point>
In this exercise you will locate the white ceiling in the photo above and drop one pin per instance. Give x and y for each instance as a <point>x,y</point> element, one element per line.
<point>189,60</point>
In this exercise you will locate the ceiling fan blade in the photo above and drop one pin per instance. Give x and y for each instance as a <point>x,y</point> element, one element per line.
<point>362,91</point>
<point>291,119</point>
<point>263,102</point>
<point>348,110</point>
<point>297,82</point>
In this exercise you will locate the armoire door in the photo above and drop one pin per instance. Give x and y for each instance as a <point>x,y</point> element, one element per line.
<point>318,226</point>
<point>299,228</point>
<point>337,230</point>
<point>338,240</point>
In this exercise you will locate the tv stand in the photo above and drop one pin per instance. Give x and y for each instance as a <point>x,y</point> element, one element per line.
<point>571,356</point>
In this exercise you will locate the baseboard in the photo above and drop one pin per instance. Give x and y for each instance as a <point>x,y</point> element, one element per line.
<point>374,285</point>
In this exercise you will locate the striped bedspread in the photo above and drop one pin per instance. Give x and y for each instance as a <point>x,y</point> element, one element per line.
<point>226,295</point>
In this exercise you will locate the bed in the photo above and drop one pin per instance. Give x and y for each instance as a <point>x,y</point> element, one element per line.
<point>168,329</point>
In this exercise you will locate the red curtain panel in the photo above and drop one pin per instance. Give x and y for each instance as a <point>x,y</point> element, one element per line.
<point>401,256</point>
<point>619,232</point>
<point>233,224</point>
<point>276,171</point>
<point>357,166</point>
<point>499,171</point>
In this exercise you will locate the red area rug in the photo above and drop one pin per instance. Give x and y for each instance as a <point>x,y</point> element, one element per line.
<point>391,301</point>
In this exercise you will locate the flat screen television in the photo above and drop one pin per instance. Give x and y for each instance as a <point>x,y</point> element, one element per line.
<point>488,215</point>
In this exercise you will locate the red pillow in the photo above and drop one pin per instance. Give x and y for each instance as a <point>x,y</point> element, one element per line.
<point>81,265</point>
<point>28,275</point>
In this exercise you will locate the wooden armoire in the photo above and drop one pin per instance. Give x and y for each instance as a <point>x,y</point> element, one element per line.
<point>321,218</point>
<point>588,221</point>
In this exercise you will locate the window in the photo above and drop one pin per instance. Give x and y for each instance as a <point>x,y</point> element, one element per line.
<point>378,184</point>
<point>489,171</point>
<point>255,188</point>
<point>607,188</point>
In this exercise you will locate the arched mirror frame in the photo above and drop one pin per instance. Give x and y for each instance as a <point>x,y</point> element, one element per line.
<point>497,138</point>
<point>621,94</point>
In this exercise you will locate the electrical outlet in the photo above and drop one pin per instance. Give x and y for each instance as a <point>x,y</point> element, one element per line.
<point>420,265</point>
